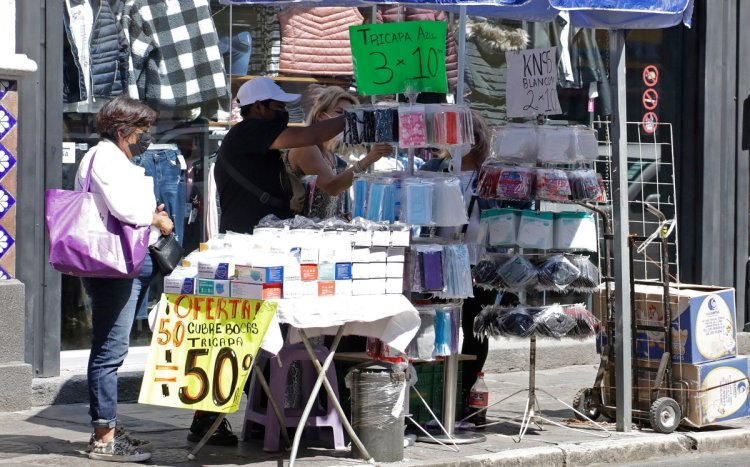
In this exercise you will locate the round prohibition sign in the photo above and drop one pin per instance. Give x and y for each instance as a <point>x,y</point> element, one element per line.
<point>649,122</point>
<point>650,99</point>
<point>650,75</point>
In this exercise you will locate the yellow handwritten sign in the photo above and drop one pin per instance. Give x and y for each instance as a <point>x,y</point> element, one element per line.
<point>202,351</point>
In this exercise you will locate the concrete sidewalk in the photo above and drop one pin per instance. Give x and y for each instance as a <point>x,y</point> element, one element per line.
<point>57,435</point>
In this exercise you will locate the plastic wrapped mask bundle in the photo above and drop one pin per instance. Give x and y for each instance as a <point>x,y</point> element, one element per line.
<point>552,185</point>
<point>556,145</point>
<point>456,272</point>
<point>430,261</point>
<point>352,127</point>
<point>516,183</point>
<point>586,146</point>
<point>515,143</point>
<point>486,273</point>
<point>557,273</point>
<point>586,323</point>
<point>518,273</point>
<point>501,225</point>
<point>411,126</point>
<point>536,230</point>
<point>552,321</point>
<point>423,345</point>
<point>386,125</point>
<point>361,192</point>
<point>589,279</point>
<point>448,208</point>
<point>575,231</point>
<point>443,332</point>
<point>416,201</point>
<point>584,185</point>
<point>516,322</point>
<point>381,200</point>
<point>489,179</point>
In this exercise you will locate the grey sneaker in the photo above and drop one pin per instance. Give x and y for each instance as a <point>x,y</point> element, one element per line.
<point>142,445</point>
<point>118,450</point>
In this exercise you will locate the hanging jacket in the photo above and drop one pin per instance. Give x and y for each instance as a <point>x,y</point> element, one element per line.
<point>108,51</point>
<point>486,69</point>
<point>315,41</point>
<point>398,13</point>
<point>175,60</point>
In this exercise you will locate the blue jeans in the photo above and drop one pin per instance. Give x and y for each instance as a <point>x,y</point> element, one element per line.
<point>169,183</point>
<point>113,305</point>
<point>241,50</point>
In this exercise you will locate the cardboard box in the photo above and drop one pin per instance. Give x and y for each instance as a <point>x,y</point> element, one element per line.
<point>215,269</point>
<point>326,288</point>
<point>394,270</point>
<point>267,274</point>
<point>343,288</point>
<point>363,238</point>
<point>718,391</point>
<point>394,286</point>
<point>243,271</point>
<point>360,271</point>
<point>703,321</point>
<point>704,327</point>
<point>272,291</point>
<point>368,286</point>
<point>400,237</point>
<point>243,289</point>
<point>381,238</point>
<point>361,255</point>
<point>179,284</point>
<point>396,254</point>
<point>378,254</point>
<point>326,271</point>
<point>343,271</point>
<point>300,289</point>
<point>707,393</point>
<point>308,272</point>
<point>214,287</point>
<point>377,270</point>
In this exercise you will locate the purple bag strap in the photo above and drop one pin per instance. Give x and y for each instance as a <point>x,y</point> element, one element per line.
<point>87,181</point>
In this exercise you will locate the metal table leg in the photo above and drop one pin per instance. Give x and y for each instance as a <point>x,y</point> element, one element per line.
<point>209,433</point>
<point>323,380</point>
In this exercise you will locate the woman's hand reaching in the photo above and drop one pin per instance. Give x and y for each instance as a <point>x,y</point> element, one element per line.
<point>376,152</point>
<point>162,221</point>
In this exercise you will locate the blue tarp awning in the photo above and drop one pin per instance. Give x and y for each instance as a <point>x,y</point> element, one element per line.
<point>601,14</point>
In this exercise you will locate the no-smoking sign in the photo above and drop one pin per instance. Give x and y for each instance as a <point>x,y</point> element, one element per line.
<point>650,99</point>
<point>649,122</point>
<point>650,75</point>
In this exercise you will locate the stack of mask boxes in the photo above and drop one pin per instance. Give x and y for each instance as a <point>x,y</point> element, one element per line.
<point>710,380</point>
<point>301,264</point>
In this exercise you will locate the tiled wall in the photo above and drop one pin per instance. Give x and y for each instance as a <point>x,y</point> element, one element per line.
<point>8,190</point>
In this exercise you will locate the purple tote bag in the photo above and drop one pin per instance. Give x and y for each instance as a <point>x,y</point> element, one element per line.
<point>86,240</point>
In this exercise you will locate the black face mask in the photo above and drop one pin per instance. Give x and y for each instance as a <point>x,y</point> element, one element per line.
<point>141,144</point>
<point>282,116</point>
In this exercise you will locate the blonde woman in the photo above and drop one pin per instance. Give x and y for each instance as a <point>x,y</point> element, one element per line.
<point>333,177</point>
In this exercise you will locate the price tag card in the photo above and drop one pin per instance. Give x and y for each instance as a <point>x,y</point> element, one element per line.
<point>532,83</point>
<point>202,351</point>
<point>392,58</point>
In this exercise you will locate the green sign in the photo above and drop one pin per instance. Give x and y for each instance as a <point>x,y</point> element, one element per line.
<point>399,57</point>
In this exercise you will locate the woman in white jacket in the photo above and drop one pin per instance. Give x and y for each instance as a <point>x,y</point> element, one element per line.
<point>124,126</point>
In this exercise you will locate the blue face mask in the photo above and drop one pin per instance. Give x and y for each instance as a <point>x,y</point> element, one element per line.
<point>141,144</point>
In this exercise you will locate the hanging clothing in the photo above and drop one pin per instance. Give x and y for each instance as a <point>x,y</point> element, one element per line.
<point>95,53</point>
<point>315,41</point>
<point>485,67</point>
<point>266,40</point>
<point>579,64</point>
<point>398,13</point>
<point>175,57</point>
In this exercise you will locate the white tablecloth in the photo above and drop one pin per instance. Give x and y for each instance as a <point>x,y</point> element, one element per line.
<point>390,318</point>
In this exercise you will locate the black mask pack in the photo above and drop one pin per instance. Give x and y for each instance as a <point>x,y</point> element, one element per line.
<point>141,144</point>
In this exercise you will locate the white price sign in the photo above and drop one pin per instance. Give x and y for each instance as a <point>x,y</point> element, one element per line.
<point>532,83</point>
<point>68,153</point>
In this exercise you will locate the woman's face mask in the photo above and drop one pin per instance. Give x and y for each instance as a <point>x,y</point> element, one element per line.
<point>142,142</point>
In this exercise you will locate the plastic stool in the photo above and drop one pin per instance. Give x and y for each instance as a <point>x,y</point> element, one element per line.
<point>277,382</point>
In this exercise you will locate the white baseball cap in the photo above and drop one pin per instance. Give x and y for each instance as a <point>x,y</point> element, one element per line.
<point>261,89</point>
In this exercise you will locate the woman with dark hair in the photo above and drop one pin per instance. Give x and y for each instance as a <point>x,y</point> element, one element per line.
<point>124,125</point>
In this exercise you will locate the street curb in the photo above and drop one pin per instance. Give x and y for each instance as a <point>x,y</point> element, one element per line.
<point>633,449</point>
<point>713,441</point>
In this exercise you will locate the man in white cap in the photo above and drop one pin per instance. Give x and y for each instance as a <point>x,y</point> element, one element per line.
<point>252,181</point>
<point>250,174</point>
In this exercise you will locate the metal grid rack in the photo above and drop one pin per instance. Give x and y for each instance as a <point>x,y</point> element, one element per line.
<point>651,179</point>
